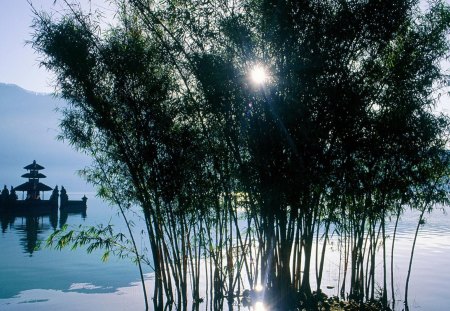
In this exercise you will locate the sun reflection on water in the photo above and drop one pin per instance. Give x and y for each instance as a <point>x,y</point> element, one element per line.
<point>259,306</point>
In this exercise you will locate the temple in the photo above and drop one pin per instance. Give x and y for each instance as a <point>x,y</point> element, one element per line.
<point>34,201</point>
<point>33,187</point>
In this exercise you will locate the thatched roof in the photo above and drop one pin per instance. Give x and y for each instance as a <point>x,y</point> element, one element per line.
<point>34,166</point>
<point>30,186</point>
<point>34,174</point>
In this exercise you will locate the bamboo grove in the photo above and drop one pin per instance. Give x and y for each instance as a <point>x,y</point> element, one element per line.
<point>243,184</point>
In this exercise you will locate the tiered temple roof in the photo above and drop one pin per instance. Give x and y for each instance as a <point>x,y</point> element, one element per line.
<point>33,187</point>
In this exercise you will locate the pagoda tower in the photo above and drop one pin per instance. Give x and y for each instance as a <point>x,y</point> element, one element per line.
<point>33,187</point>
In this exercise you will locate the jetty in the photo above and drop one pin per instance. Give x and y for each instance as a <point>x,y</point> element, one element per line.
<point>33,196</point>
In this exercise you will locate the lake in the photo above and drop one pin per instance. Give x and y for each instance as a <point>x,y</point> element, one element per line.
<point>430,276</point>
<point>48,279</point>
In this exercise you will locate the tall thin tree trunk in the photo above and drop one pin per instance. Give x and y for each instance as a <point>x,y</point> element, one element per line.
<point>411,257</point>
<point>392,256</point>
<point>322,256</point>
<point>384,298</point>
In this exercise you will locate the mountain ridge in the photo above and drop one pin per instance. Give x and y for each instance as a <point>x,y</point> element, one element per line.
<point>29,125</point>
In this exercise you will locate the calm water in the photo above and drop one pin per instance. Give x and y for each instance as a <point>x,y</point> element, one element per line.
<point>47,279</point>
<point>430,277</point>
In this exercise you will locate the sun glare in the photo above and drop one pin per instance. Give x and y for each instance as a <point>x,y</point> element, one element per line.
<point>259,306</point>
<point>258,74</point>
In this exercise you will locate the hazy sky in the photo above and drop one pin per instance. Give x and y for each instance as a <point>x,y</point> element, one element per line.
<point>19,65</point>
<point>18,62</point>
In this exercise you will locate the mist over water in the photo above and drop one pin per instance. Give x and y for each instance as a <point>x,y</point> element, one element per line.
<point>28,131</point>
<point>46,279</point>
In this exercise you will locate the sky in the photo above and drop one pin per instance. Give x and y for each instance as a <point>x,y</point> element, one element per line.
<point>19,64</point>
<point>24,112</point>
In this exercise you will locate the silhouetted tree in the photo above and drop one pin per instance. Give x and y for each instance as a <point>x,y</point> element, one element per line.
<point>342,131</point>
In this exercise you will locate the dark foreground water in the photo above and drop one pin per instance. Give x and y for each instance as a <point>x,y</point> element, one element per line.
<point>47,279</point>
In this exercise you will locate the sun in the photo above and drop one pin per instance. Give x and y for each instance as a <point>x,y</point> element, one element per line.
<point>258,75</point>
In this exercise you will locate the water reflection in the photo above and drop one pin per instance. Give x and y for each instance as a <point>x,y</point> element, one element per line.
<point>30,226</point>
<point>72,280</point>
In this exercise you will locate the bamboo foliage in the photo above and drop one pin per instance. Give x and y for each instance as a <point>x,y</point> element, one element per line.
<point>241,185</point>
